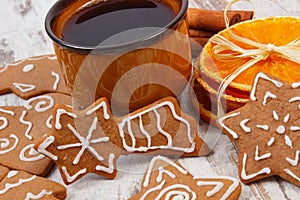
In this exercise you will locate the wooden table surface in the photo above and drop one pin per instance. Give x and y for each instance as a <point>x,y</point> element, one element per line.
<point>22,35</point>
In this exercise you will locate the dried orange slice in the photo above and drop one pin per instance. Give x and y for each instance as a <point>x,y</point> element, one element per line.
<point>278,31</point>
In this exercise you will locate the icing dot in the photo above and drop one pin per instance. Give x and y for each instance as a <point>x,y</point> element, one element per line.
<point>28,68</point>
<point>280,129</point>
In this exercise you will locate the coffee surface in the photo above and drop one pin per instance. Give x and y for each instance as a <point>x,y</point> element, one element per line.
<point>91,26</point>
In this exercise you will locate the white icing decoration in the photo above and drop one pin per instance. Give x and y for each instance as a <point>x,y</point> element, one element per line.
<point>267,96</point>
<point>60,112</point>
<point>57,79</point>
<point>4,123</point>
<point>7,112</point>
<point>230,131</point>
<point>44,145</point>
<point>12,173</point>
<point>39,106</point>
<point>151,166</point>
<point>271,141</point>
<point>280,129</point>
<point>48,122</point>
<point>158,187</point>
<point>27,123</point>
<point>7,143</point>
<point>169,145</point>
<point>161,171</point>
<point>264,156</point>
<point>110,168</point>
<point>172,189</point>
<point>28,68</point>
<point>289,172</point>
<point>295,85</point>
<point>85,142</point>
<point>217,188</point>
<point>43,193</point>
<point>9,186</point>
<point>24,87</point>
<point>244,127</point>
<point>265,170</point>
<point>4,143</point>
<point>73,177</point>
<point>295,128</point>
<point>265,127</point>
<point>254,87</point>
<point>145,133</point>
<point>177,195</point>
<point>288,141</point>
<point>94,109</point>
<point>36,156</point>
<point>275,115</point>
<point>294,99</point>
<point>286,118</point>
<point>231,188</point>
<point>295,161</point>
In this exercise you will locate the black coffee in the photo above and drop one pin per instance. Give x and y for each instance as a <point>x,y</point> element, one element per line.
<point>93,25</point>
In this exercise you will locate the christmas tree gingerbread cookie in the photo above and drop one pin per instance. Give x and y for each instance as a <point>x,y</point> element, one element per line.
<point>166,179</point>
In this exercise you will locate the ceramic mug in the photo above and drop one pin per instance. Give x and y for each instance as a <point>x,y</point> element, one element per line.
<point>131,74</point>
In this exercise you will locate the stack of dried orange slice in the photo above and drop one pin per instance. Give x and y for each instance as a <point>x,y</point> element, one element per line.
<point>274,32</point>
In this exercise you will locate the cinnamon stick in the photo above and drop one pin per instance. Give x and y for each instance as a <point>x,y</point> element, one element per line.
<point>200,33</point>
<point>213,20</point>
<point>200,40</point>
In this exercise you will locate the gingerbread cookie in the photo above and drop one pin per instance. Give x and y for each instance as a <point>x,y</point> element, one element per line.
<point>21,127</point>
<point>3,172</point>
<point>166,179</point>
<point>20,185</point>
<point>83,141</point>
<point>162,129</point>
<point>33,76</point>
<point>266,131</point>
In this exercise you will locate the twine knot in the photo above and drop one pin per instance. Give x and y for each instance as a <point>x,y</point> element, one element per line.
<point>270,47</point>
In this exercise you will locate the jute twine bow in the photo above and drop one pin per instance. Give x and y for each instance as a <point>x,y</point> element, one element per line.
<point>260,52</point>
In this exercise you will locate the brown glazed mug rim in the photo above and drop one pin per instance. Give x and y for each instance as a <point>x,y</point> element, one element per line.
<point>60,5</point>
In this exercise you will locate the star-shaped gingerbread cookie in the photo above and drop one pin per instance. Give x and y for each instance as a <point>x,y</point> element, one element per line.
<point>32,77</point>
<point>21,127</point>
<point>82,141</point>
<point>19,185</point>
<point>267,130</point>
<point>166,179</point>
